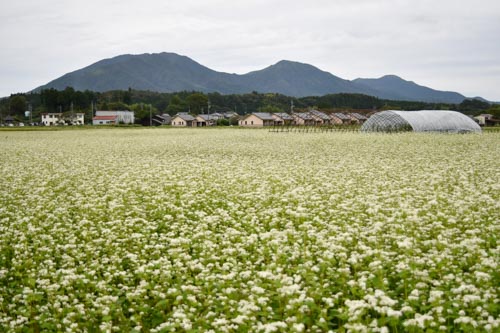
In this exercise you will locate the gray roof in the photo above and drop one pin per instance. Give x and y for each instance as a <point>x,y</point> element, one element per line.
<point>230,114</point>
<point>304,115</point>
<point>320,114</point>
<point>358,116</point>
<point>164,116</point>
<point>263,115</point>
<point>341,116</point>
<point>184,116</point>
<point>208,117</point>
<point>284,116</point>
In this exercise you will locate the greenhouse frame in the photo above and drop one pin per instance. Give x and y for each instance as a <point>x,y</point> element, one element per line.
<point>420,121</point>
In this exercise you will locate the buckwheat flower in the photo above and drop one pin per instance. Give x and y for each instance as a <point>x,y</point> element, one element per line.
<point>394,313</point>
<point>435,295</point>
<point>414,295</point>
<point>240,319</point>
<point>298,327</point>
<point>357,328</point>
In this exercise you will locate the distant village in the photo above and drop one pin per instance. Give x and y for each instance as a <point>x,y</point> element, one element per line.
<point>309,117</point>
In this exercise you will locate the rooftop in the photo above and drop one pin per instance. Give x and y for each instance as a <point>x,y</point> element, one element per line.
<point>104,118</point>
<point>184,116</point>
<point>263,115</point>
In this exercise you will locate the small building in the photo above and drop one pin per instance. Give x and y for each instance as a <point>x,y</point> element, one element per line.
<point>283,118</point>
<point>320,117</point>
<point>58,118</point>
<point>105,120</point>
<point>51,119</point>
<point>257,119</point>
<point>230,114</point>
<point>162,119</point>
<point>303,118</point>
<point>203,120</point>
<point>113,117</point>
<point>340,118</point>
<point>183,120</point>
<point>357,117</point>
<point>483,119</point>
<point>9,120</point>
<point>75,118</point>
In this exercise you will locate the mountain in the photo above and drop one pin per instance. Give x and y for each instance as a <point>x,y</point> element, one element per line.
<point>298,79</point>
<point>395,88</point>
<point>170,72</point>
<point>164,72</point>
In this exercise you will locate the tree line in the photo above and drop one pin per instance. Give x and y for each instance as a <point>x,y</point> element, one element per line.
<point>145,102</point>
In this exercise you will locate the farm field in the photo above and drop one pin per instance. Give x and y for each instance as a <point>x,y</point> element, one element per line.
<point>234,230</point>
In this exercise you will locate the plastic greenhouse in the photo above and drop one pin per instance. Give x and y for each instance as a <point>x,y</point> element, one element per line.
<point>420,121</point>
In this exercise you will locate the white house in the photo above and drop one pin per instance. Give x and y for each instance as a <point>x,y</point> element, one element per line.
<point>49,119</point>
<point>113,117</point>
<point>76,118</point>
<point>482,119</point>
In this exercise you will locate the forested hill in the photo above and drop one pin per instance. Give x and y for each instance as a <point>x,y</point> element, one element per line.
<point>170,72</point>
<point>51,100</point>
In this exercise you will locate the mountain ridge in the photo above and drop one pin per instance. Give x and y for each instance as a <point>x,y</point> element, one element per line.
<point>171,72</point>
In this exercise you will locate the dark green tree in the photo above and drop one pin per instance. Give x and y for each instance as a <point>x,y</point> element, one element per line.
<point>197,103</point>
<point>270,109</point>
<point>473,106</point>
<point>17,105</point>
<point>176,105</point>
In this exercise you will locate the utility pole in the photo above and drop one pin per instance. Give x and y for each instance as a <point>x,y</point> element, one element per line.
<point>150,116</point>
<point>208,110</point>
<point>31,111</point>
<point>291,106</point>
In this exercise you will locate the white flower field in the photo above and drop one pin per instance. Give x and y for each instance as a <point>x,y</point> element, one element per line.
<point>234,230</point>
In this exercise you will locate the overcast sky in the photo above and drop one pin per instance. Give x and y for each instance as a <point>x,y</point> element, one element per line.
<point>444,44</point>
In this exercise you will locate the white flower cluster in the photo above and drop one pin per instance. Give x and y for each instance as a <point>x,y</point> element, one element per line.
<point>226,230</point>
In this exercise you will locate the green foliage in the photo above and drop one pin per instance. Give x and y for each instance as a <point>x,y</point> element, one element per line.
<point>117,106</point>
<point>494,110</point>
<point>474,106</point>
<point>176,105</point>
<point>270,109</point>
<point>197,103</point>
<point>223,122</point>
<point>17,105</point>
<point>143,112</point>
